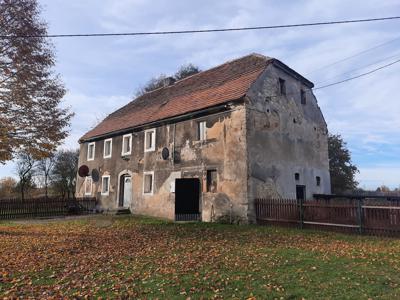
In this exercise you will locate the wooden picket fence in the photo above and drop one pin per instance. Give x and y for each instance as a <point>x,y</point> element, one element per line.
<point>45,207</point>
<point>361,216</point>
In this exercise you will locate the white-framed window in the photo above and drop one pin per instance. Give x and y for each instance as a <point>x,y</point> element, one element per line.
<point>90,151</point>
<point>148,183</point>
<point>202,130</point>
<point>105,185</point>
<point>150,140</point>
<point>107,151</point>
<point>88,186</point>
<point>126,144</point>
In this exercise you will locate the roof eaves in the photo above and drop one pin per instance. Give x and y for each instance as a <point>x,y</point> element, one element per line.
<point>207,110</point>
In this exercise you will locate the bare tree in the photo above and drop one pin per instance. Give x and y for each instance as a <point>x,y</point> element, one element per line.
<point>30,92</point>
<point>162,80</point>
<point>44,169</point>
<point>186,71</point>
<point>25,172</point>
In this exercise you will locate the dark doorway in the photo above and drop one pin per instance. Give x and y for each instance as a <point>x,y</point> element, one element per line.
<point>187,195</point>
<point>300,192</point>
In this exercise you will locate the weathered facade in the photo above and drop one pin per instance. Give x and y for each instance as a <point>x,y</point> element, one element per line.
<point>209,144</point>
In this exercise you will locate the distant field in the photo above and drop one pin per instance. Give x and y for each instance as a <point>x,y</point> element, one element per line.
<point>147,258</point>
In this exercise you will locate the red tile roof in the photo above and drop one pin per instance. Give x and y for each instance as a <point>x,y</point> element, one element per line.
<point>227,82</point>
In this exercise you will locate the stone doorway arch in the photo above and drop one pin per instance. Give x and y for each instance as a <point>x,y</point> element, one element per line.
<point>125,189</point>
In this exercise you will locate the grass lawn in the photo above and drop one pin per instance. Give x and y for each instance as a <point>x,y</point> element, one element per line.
<point>137,257</point>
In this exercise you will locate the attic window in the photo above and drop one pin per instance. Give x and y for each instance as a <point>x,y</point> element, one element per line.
<point>126,144</point>
<point>318,180</point>
<point>303,97</point>
<point>282,86</point>
<point>202,130</point>
<point>90,151</point>
<point>150,140</point>
<point>296,176</point>
<point>107,148</point>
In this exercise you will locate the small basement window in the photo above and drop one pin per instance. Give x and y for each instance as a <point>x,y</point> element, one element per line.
<point>105,185</point>
<point>282,86</point>
<point>202,130</point>
<point>296,176</point>
<point>149,140</point>
<point>88,186</point>
<point>90,151</point>
<point>148,183</point>
<point>212,181</point>
<point>126,144</point>
<point>303,97</point>
<point>318,180</point>
<point>107,148</point>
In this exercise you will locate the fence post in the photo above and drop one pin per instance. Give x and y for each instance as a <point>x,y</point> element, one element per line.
<point>300,201</point>
<point>360,216</point>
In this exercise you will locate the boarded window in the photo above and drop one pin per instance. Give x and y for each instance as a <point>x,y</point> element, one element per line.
<point>318,180</point>
<point>105,185</point>
<point>88,186</point>
<point>212,181</point>
<point>282,86</point>
<point>149,140</point>
<point>107,148</point>
<point>148,183</point>
<point>202,131</point>
<point>303,97</point>
<point>91,149</point>
<point>126,144</point>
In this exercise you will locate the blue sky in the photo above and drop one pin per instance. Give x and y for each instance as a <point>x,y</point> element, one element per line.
<point>102,74</point>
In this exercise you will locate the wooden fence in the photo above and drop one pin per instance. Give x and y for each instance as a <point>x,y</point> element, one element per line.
<point>45,207</point>
<point>366,216</point>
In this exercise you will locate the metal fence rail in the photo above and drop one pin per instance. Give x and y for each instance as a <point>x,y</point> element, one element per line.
<point>45,207</point>
<point>346,215</point>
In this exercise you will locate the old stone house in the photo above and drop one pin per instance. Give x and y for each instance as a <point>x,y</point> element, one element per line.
<point>206,146</point>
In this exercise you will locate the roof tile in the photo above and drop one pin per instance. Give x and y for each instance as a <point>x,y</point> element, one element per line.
<point>227,82</point>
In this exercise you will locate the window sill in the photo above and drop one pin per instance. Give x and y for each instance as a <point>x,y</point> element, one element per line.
<point>205,142</point>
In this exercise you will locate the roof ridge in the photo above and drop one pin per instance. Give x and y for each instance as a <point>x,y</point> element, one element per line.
<point>210,69</point>
<point>222,83</point>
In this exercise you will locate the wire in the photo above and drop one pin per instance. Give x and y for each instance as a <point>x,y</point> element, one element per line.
<point>359,68</point>
<point>353,55</point>
<point>200,30</point>
<point>358,76</point>
<point>344,80</point>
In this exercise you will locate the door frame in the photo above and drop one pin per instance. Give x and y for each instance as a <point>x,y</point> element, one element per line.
<point>304,191</point>
<point>120,182</point>
<point>199,199</point>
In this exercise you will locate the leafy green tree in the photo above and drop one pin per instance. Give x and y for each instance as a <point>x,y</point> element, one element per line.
<point>342,170</point>
<point>64,172</point>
